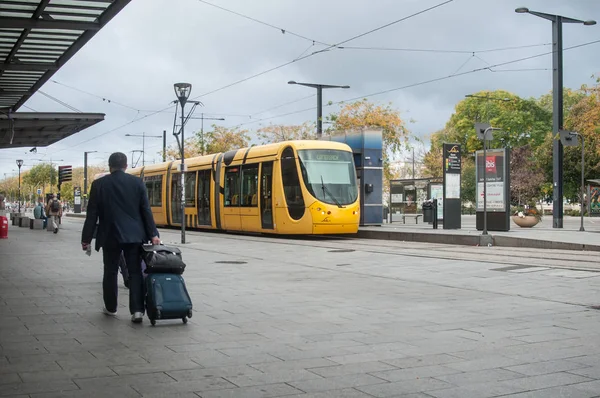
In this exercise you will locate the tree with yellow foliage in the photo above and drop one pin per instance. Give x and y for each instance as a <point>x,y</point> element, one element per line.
<point>363,113</point>
<point>279,133</point>
<point>219,139</point>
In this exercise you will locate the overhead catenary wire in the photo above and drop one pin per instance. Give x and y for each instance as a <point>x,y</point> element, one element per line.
<point>282,30</point>
<point>488,68</point>
<point>328,48</point>
<point>59,101</point>
<point>441,51</point>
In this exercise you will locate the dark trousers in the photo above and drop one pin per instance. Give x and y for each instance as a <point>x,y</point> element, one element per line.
<point>111,252</point>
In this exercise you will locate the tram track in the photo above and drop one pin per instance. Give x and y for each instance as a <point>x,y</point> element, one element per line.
<point>584,261</point>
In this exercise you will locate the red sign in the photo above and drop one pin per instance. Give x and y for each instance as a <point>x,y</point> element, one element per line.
<point>490,164</point>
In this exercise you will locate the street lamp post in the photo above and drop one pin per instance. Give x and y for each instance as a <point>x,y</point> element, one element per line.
<point>557,106</point>
<point>319,88</point>
<point>20,163</point>
<point>143,135</point>
<point>182,91</point>
<point>85,179</point>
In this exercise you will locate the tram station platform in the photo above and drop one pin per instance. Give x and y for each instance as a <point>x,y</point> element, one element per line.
<point>541,236</point>
<point>300,318</point>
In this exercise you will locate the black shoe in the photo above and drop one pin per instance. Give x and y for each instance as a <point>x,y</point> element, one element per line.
<point>55,230</point>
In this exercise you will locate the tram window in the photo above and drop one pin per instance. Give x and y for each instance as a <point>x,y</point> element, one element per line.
<point>232,186</point>
<point>291,184</point>
<point>154,188</point>
<point>249,195</point>
<point>190,189</point>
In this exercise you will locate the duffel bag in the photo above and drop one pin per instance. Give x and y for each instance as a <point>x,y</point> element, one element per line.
<point>161,259</point>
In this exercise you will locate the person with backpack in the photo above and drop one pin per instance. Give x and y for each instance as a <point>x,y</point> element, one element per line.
<point>54,211</point>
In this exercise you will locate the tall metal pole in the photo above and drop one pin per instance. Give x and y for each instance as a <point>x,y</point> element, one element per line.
<point>582,182</point>
<point>202,133</point>
<point>19,189</point>
<point>85,181</point>
<point>485,232</point>
<point>143,149</point>
<point>164,145</point>
<point>182,174</point>
<point>319,111</point>
<point>557,123</point>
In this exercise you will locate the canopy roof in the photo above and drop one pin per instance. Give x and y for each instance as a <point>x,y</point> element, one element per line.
<point>37,37</point>
<point>34,129</point>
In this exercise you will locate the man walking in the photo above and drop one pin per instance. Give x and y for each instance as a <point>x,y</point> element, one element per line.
<point>119,203</point>
<point>54,211</point>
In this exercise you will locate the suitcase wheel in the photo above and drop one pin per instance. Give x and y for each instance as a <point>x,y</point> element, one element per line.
<point>153,322</point>
<point>189,314</point>
<point>184,319</point>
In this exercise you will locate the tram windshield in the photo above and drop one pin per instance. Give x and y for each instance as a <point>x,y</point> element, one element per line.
<point>329,175</point>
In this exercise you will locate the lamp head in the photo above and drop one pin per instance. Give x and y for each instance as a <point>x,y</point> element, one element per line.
<point>292,82</point>
<point>182,91</point>
<point>589,23</point>
<point>522,10</point>
<point>345,86</point>
<point>20,163</point>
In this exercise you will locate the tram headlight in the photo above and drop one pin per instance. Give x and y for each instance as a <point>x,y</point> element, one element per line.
<point>323,212</point>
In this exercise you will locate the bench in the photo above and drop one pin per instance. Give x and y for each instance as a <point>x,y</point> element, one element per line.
<point>36,223</point>
<point>415,216</point>
<point>24,222</point>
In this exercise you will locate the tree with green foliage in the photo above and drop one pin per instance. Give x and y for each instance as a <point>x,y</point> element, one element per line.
<point>41,175</point>
<point>219,139</point>
<point>279,133</point>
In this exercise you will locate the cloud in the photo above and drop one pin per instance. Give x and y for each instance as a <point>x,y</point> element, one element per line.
<point>152,44</point>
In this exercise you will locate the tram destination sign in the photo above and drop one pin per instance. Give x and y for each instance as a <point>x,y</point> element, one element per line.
<point>452,158</point>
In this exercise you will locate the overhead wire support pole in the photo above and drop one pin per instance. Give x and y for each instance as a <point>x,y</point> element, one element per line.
<point>557,106</point>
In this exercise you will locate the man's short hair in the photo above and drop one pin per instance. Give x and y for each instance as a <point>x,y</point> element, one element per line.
<point>117,161</point>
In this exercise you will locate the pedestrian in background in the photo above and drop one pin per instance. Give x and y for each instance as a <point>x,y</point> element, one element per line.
<point>54,211</point>
<point>118,203</point>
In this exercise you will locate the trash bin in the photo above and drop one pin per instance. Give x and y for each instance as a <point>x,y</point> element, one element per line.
<point>428,211</point>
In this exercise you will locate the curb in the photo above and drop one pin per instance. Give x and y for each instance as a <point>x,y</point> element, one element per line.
<point>474,240</point>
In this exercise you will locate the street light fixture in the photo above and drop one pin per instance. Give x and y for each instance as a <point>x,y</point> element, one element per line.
<point>319,88</point>
<point>182,91</point>
<point>557,106</point>
<point>143,135</point>
<point>20,163</point>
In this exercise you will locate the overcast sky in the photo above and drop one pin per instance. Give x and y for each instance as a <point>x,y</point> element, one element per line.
<point>152,44</point>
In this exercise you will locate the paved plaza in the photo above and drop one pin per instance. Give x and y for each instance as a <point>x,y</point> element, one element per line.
<point>313,317</point>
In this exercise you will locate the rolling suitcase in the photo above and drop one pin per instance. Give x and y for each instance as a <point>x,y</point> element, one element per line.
<point>167,298</point>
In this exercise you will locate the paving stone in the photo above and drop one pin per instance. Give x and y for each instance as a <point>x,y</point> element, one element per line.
<point>158,366</point>
<point>562,392</point>
<point>207,384</point>
<point>336,383</point>
<point>31,388</point>
<point>264,391</point>
<point>10,378</point>
<point>311,363</point>
<point>107,391</point>
<point>350,369</point>
<point>415,373</point>
<point>148,380</point>
<point>540,368</point>
<point>273,377</point>
<point>343,393</point>
<point>482,376</point>
<point>403,387</point>
<point>34,377</point>
<point>425,360</point>
<point>222,371</point>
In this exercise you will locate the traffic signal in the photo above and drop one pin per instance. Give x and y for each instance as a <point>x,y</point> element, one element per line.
<point>65,173</point>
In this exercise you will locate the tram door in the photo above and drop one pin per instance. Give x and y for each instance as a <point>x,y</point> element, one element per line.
<point>176,198</point>
<point>266,203</point>
<point>203,197</point>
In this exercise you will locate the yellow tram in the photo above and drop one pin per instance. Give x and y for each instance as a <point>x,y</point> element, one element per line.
<point>292,187</point>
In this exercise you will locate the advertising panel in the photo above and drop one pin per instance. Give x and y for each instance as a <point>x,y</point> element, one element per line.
<point>437,192</point>
<point>495,168</point>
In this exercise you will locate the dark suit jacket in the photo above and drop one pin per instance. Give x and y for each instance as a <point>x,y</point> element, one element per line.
<point>119,203</point>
